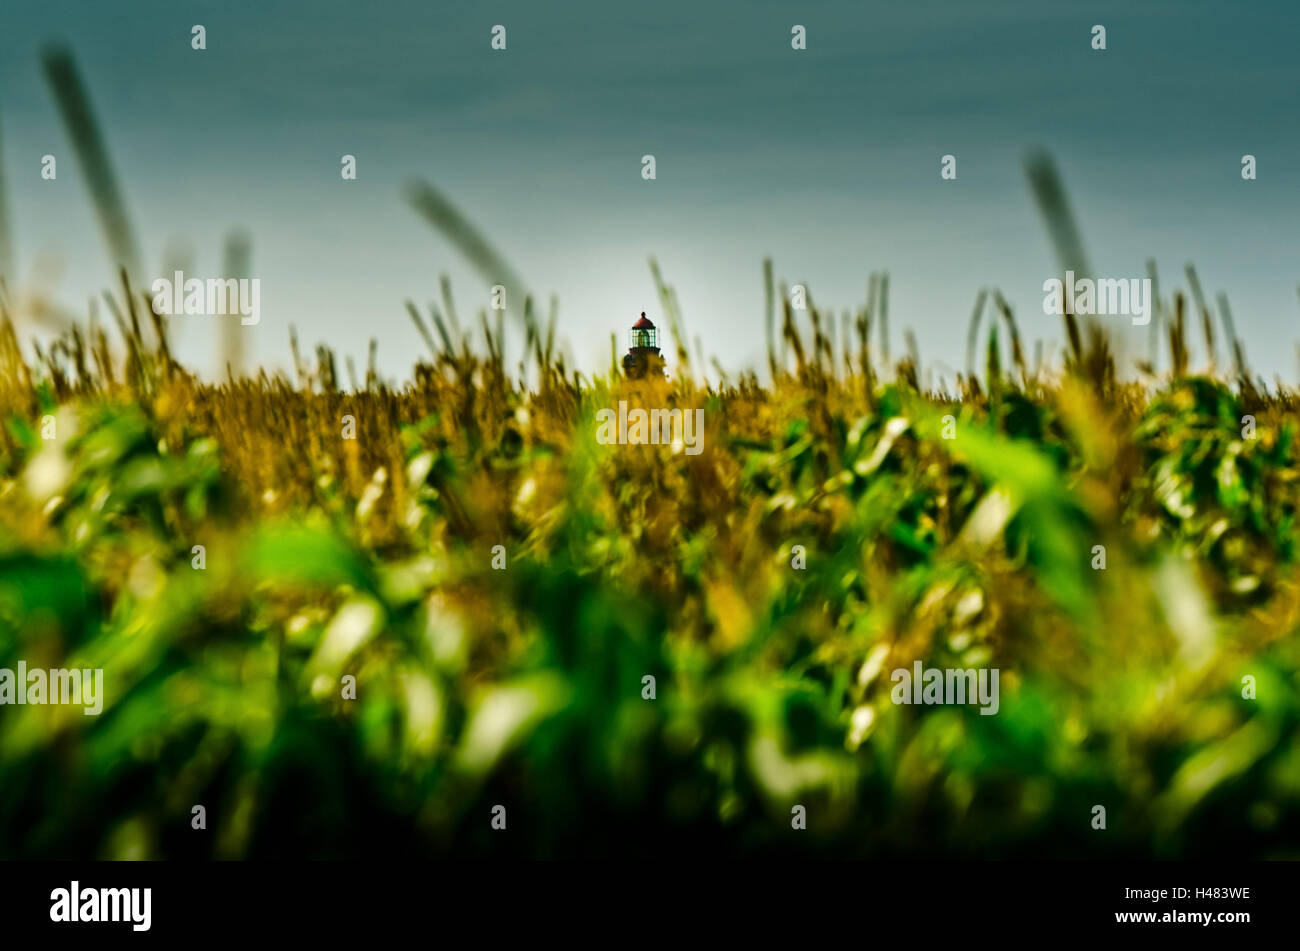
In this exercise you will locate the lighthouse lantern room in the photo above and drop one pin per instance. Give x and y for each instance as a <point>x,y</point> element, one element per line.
<point>643,349</point>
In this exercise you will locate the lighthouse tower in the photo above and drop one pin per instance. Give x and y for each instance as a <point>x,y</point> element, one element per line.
<point>643,358</point>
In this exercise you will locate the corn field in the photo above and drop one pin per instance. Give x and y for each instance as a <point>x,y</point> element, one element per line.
<point>352,618</point>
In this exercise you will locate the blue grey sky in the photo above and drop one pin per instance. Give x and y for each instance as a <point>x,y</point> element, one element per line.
<point>827,159</point>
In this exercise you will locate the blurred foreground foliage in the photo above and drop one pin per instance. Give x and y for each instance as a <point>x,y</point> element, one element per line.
<point>372,558</point>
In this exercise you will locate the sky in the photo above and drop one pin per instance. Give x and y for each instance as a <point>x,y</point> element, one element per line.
<point>827,159</point>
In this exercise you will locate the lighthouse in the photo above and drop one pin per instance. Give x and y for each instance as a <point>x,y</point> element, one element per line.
<point>643,357</point>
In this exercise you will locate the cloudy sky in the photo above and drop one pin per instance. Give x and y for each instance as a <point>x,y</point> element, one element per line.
<point>827,160</point>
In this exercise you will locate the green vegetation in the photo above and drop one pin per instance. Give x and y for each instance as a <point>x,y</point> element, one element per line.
<point>372,557</point>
